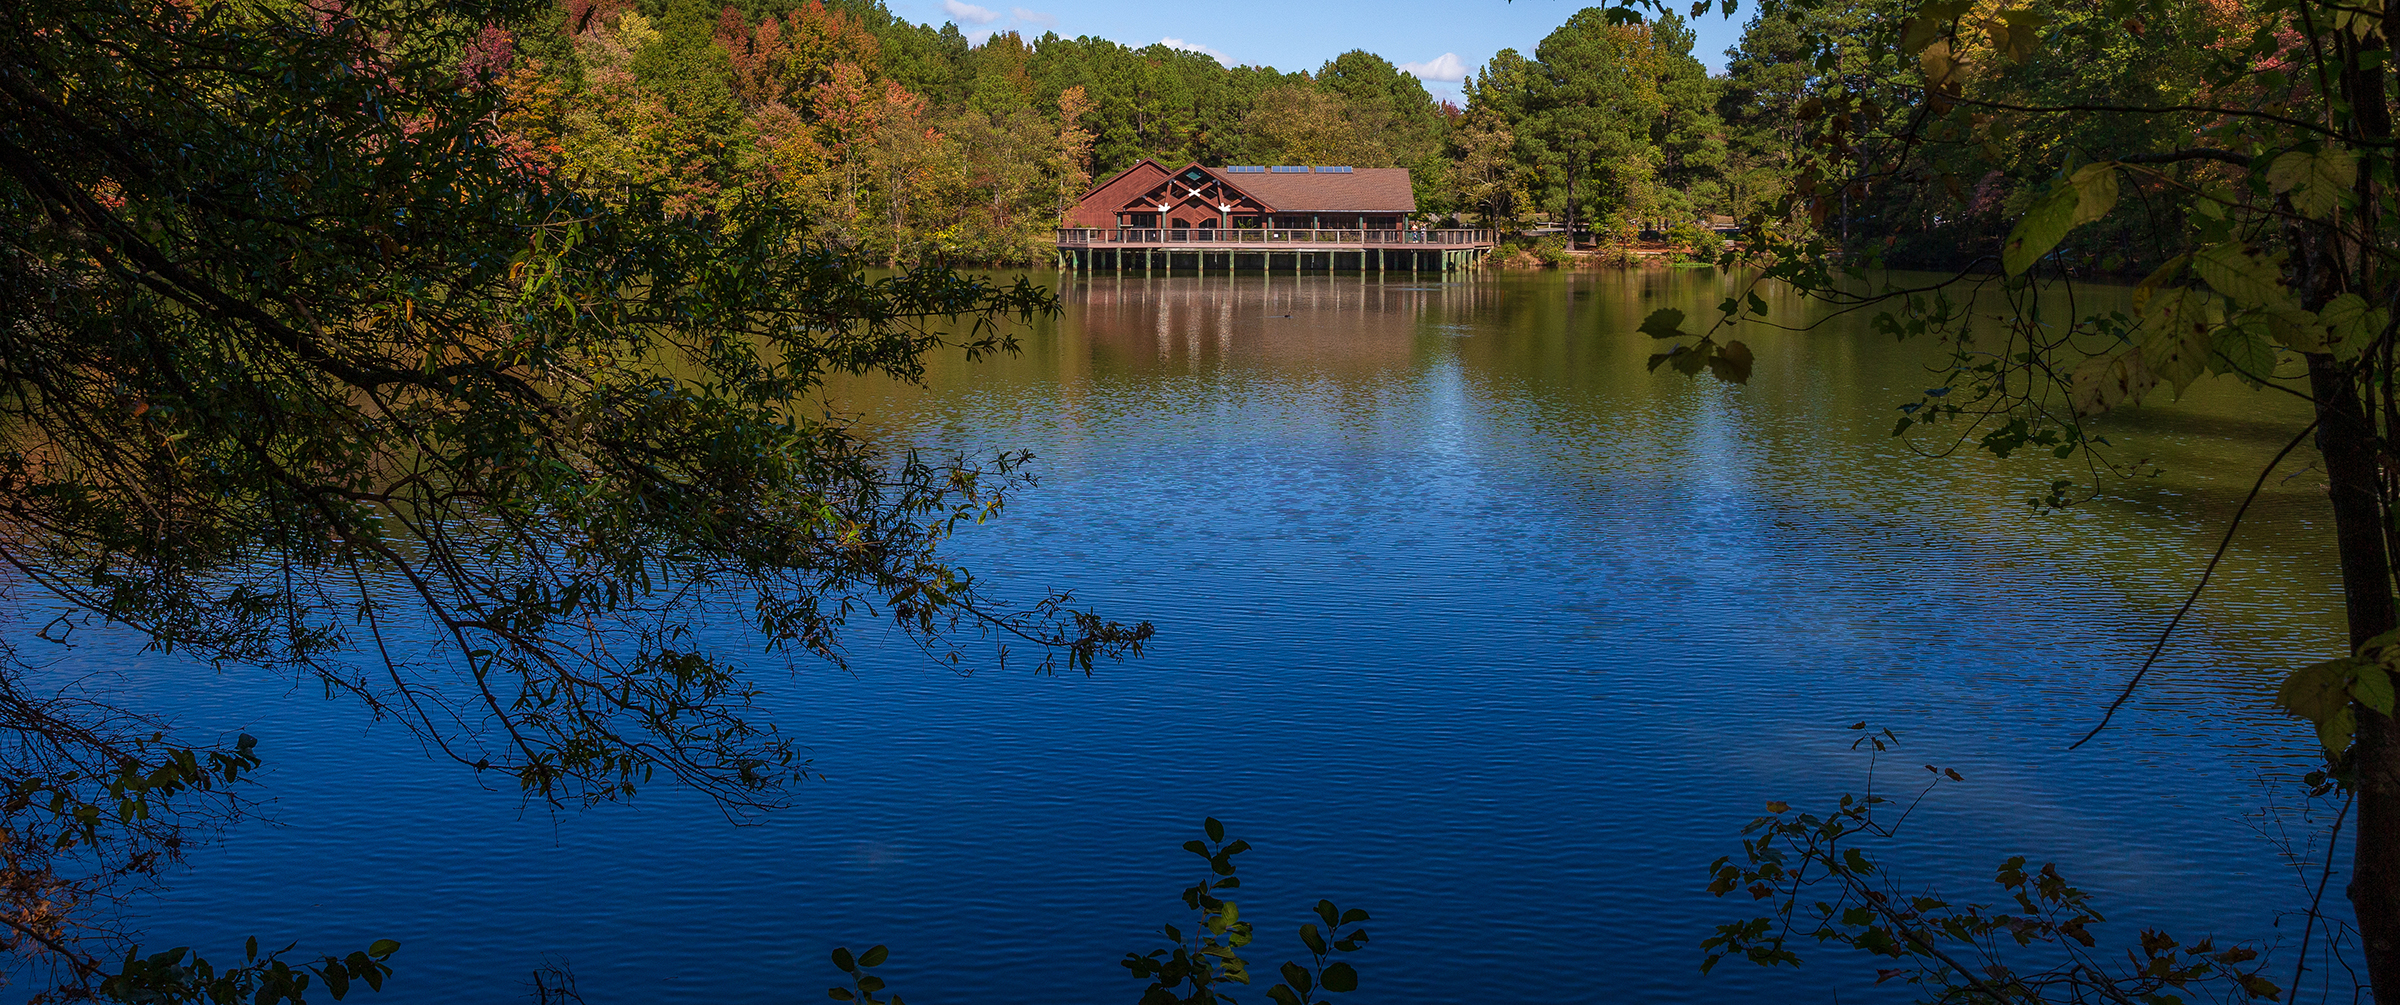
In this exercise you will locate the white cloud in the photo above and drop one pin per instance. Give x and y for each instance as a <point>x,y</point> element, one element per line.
<point>1034,17</point>
<point>1446,68</point>
<point>1177,43</point>
<point>970,13</point>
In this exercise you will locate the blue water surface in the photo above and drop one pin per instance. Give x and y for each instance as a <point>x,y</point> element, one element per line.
<point>1464,618</point>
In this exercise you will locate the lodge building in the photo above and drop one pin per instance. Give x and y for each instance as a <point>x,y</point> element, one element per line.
<point>1270,218</point>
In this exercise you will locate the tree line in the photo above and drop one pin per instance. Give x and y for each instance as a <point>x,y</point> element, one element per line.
<point>905,142</point>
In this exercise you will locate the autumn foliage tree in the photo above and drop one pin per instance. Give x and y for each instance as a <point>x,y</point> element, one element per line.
<point>460,394</point>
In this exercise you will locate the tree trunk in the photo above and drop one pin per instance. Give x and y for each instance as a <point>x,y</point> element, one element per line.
<point>2360,507</point>
<point>1571,204</point>
<point>2348,445</point>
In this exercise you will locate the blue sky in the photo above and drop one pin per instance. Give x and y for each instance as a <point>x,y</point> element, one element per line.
<point>1438,41</point>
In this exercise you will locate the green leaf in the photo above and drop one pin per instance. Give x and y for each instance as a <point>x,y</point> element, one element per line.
<point>2243,273</point>
<point>2293,328</point>
<point>2095,192</point>
<point>2244,351</point>
<point>1935,63</point>
<point>2350,324</point>
<point>1297,976</point>
<point>2177,350</point>
<point>1665,322</point>
<point>2041,228</point>
<point>874,957</point>
<point>2151,284</point>
<point>843,959</point>
<point>2191,309</point>
<point>1731,363</point>
<point>1216,831</point>
<point>1340,978</point>
<point>1312,939</point>
<point>379,949</point>
<point>367,970</point>
<point>2334,731</point>
<point>1920,31</point>
<point>2259,987</point>
<point>2319,182</point>
<point>2314,691</point>
<point>2176,355</point>
<point>2101,383</point>
<point>1689,362</point>
<point>2373,688</point>
<point>2016,32</point>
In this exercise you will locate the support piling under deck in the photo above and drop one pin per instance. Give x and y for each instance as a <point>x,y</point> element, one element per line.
<point>1292,251</point>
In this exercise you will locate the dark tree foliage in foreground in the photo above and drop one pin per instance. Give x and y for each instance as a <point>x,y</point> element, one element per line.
<point>302,369</point>
<point>2254,149</point>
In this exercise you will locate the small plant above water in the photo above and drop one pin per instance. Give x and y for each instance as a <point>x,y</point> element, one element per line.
<point>1193,964</point>
<point>863,985</point>
<point>1188,970</point>
<point>2035,947</point>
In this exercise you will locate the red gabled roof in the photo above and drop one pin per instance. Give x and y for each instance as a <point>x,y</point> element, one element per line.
<point>1185,184</point>
<point>1360,190</point>
<point>1099,206</point>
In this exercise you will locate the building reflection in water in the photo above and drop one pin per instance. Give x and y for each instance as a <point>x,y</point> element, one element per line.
<point>1309,322</point>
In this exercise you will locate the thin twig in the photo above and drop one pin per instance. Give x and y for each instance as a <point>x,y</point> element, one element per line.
<point>2177,621</point>
<point>2323,880</point>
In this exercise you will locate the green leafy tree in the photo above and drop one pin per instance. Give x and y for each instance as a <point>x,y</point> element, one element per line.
<point>1688,136</point>
<point>1302,123</point>
<point>2256,150</point>
<point>308,367</point>
<point>1493,178</point>
<point>1394,108</point>
<point>1589,99</point>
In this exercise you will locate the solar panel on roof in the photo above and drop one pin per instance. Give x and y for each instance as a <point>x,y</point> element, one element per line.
<point>1336,169</point>
<point>1246,169</point>
<point>1290,169</point>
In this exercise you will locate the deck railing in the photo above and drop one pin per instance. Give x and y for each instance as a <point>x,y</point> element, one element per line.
<point>1158,236</point>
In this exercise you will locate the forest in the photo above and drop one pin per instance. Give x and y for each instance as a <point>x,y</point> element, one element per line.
<point>905,143</point>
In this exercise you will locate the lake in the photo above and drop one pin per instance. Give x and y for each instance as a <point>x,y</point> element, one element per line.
<point>1463,618</point>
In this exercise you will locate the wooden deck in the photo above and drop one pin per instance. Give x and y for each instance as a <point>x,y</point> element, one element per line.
<point>1242,249</point>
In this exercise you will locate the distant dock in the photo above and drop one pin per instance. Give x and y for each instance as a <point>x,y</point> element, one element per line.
<point>1138,249</point>
<point>1268,218</point>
